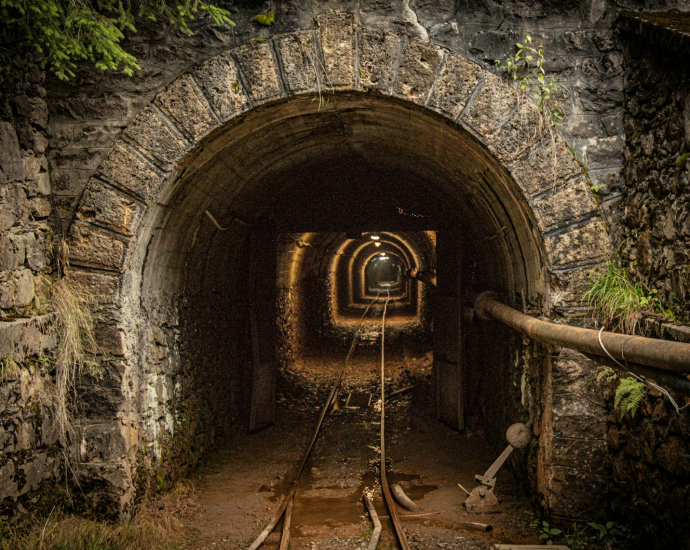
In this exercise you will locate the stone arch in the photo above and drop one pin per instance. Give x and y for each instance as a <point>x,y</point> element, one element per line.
<point>556,240</point>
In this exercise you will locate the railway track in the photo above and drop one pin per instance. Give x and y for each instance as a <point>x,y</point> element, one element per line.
<point>286,507</point>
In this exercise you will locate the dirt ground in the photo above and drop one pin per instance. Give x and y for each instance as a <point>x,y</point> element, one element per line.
<point>240,488</point>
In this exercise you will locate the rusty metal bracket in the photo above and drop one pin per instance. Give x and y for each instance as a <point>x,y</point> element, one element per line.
<point>482,499</point>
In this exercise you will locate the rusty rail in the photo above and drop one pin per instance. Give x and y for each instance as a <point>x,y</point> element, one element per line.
<point>660,354</point>
<point>286,507</point>
<point>387,497</point>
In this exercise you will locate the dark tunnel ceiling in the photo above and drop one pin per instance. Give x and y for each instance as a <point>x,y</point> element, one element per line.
<point>348,194</point>
<point>353,168</point>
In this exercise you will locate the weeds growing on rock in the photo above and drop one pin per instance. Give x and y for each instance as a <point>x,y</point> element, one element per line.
<point>156,526</point>
<point>526,68</point>
<point>76,346</point>
<point>618,302</point>
<point>629,395</point>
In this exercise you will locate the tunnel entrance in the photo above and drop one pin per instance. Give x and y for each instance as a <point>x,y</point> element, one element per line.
<point>314,208</point>
<point>236,199</point>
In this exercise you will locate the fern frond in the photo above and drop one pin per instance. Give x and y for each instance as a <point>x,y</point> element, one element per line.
<point>629,395</point>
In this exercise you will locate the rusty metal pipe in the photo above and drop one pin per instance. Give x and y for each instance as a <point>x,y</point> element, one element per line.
<point>661,354</point>
<point>669,379</point>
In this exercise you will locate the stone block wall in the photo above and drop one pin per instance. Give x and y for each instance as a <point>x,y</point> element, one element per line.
<point>654,228</point>
<point>649,453</point>
<point>31,459</point>
<point>582,51</point>
<point>25,189</point>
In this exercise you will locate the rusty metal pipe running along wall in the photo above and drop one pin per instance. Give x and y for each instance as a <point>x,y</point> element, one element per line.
<point>661,354</point>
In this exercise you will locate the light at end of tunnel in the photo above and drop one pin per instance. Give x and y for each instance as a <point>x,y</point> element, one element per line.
<point>377,244</point>
<point>375,237</point>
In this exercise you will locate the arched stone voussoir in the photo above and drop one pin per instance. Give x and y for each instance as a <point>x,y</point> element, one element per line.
<point>419,65</point>
<point>106,289</point>
<point>523,131</point>
<point>454,85</point>
<point>569,286</point>
<point>105,206</point>
<point>577,246</point>
<point>564,204</point>
<point>337,40</point>
<point>127,168</point>
<point>548,166</point>
<point>92,246</point>
<point>157,138</point>
<point>378,57</point>
<point>220,81</point>
<point>260,70</point>
<point>184,104</point>
<point>491,106</point>
<point>302,68</point>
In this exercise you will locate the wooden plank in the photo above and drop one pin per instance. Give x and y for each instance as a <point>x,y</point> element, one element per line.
<point>262,318</point>
<point>448,371</point>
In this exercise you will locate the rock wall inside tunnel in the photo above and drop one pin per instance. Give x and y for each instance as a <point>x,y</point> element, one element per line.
<point>162,179</point>
<point>323,282</point>
<point>650,452</point>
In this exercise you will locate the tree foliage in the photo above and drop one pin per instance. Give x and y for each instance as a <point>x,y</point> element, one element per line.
<point>65,31</point>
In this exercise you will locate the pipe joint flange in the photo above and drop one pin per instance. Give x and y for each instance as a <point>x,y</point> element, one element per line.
<point>479,304</point>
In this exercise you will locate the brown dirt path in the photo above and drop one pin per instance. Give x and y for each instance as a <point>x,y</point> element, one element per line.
<point>238,490</point>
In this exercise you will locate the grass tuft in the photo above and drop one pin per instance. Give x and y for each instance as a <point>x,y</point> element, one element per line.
<point>618,302</point>
<point>156,526</point>
<point>76,346</point>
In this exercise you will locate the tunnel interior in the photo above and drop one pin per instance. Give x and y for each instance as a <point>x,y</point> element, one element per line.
<point>287,223</point>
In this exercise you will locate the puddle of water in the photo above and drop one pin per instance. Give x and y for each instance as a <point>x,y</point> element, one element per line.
<point>342,512</point>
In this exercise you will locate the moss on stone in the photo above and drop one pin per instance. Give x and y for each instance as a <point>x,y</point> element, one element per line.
<point>682,160</point>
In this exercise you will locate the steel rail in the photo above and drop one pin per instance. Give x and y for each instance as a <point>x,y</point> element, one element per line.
<point>651,352</point>
<point>288,500</point>
<point>390,503</point>
<point>374,541</point>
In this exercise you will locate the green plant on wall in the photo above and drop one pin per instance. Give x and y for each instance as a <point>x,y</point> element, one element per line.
<point>629,395</point>
<point>526,68</point>
<point>65,31</point>
<point>265,19</point>
<point>611,534</point>
<point>618,302</point>
<point>76,349</point>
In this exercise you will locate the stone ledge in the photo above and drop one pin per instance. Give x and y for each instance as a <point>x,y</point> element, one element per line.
<point>27,337</point>
<point>91,246</point>
<point>667,31</point>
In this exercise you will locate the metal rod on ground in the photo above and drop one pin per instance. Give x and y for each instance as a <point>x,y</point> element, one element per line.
<point>425,514</point>
<point>400,391</point>
<point>390,504</point>
<point>288,499</point>
<point>374,541</point>
<point>662,354</point>
<point>285,537</point>
<point>402,499</point>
